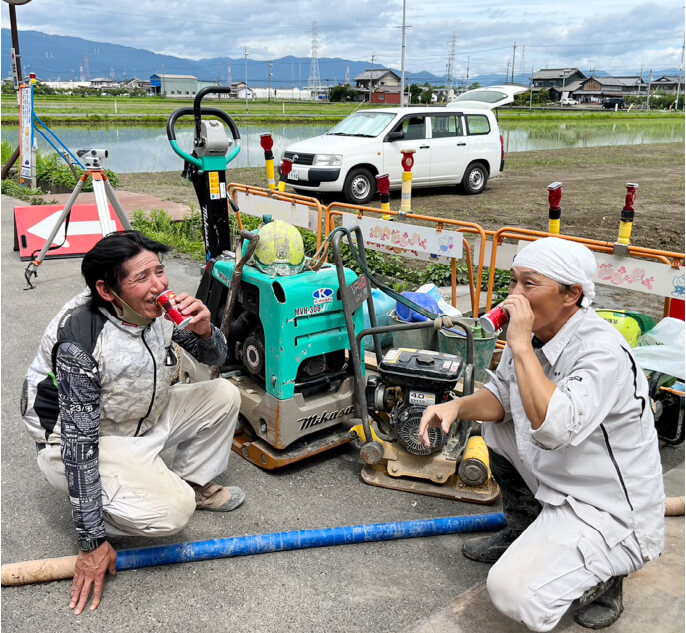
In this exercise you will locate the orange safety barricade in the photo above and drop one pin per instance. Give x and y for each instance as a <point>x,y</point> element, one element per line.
<point>294,199</point>
<point>669,258</point>
<point>339,208</point>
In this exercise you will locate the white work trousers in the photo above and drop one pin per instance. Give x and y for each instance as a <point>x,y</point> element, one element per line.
<point>555,560</point>
<point>141,495</point>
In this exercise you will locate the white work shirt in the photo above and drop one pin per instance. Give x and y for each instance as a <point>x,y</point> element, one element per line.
<point>597,448</point>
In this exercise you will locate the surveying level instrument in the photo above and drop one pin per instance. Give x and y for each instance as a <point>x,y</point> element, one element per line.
<point>104,192</point>
<point>206,167</point>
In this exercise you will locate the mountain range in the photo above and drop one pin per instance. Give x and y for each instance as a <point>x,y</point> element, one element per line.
<point>58,57</point>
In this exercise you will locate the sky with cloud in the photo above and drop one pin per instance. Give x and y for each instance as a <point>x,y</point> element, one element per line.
<point>620,37</point>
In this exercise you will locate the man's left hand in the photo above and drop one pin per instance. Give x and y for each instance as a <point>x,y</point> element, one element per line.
<point>190,306</point>
<point>89,574</point>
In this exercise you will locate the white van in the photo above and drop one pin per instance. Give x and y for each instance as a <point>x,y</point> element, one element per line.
<point>458,144</point>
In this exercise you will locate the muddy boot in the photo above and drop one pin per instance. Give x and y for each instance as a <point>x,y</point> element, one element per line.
<point>520,509</point>
<point>600,606</point>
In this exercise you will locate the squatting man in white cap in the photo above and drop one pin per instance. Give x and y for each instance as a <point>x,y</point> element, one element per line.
<point>98,403</point>
<point>572,445</point>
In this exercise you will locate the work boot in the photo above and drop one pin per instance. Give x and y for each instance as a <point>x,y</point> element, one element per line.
<point>520,509</point>
<point>216,498</point>
<point>601,605</point>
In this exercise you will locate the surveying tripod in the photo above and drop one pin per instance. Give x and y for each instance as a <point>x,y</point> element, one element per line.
<point>104,192</point>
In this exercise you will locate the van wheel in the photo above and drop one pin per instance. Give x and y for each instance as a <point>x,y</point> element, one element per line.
<point>474,179</point>
<point>360,186</point>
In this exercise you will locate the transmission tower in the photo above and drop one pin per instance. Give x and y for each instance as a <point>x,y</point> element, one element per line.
<point>451,66</point>
<point>86,68</point>
<point>314,82</point>
<point>347,75</point>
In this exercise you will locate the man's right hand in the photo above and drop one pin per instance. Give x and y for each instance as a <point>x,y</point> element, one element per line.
<point>89,573</point>
<point>442,415</point>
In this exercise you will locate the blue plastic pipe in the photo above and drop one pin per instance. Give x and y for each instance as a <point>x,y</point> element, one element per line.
<point>302,539</point>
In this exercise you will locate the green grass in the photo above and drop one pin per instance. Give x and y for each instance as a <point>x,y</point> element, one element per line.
<point>97,110</point>
<point>185,236</point>
<point>151,110</point>
<point>32,196</point>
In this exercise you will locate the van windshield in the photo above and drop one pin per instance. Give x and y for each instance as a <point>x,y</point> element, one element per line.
<point>362,124</point>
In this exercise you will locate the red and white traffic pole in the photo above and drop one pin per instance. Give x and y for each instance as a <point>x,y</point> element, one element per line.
<point>407,162</point>
<point>383,184</point>
<point>267,143</point>
<point>554,210</point>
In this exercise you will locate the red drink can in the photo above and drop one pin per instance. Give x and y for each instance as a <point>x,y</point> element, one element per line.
<point>494,320</point>
<point>167,301</point>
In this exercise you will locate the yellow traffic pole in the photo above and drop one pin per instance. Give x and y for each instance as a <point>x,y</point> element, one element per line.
<point>626,222</point>
<point>383,184</point>
<point>286,166</point>
<point>407,162</point>
<point>554,210</point>
<point>267,143</point>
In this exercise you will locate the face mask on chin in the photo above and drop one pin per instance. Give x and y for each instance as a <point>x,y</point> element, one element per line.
<point>126,313</point>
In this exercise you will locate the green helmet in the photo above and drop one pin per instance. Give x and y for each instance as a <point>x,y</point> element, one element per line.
<point>280,251</point>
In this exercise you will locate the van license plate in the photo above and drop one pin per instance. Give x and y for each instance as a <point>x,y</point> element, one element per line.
<point>297,174</point>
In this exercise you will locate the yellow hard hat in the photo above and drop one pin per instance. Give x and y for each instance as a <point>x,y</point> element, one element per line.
<point>280,251</point>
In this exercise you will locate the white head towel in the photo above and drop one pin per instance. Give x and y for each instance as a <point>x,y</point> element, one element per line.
<point>561,260</point>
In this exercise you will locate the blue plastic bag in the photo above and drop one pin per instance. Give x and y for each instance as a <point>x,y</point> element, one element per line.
<point>421,299</point>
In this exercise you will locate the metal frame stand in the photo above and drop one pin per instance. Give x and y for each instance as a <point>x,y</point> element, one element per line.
<point>104,193</point>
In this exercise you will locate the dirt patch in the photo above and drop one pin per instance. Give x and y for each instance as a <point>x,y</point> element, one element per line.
<point>593,192</point>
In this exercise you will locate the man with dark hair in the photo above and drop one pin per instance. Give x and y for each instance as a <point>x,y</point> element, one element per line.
<point>98,402</point>
<point>572,445</point>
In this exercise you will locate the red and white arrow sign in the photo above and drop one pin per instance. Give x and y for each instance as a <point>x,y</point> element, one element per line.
<point>34,225</point>
<point>43,228</point>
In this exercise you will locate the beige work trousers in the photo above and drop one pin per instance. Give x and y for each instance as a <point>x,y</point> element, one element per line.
<point>141,495</point>
<point>556,559</point>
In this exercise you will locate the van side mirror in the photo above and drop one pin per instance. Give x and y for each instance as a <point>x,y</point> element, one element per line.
<point>395,136</point>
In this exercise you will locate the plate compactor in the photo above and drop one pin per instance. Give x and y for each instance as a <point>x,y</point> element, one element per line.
<point>296,353</point>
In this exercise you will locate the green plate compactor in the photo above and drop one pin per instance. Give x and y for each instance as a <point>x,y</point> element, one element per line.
<point>287,336</point>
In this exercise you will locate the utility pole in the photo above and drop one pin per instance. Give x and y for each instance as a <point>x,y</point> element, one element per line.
<point>402,58</point>
<point>17,57</point>
<point>270,81</point>
<point>522,64</point>
<point>681,70</point>
<point>507,72</point>
<point>650,81</point>
<point>246,79</point>
<point>564,80</point>
<point>514,52</point>
<point>450,66</point>
<point>466,85</point>
<point>371,79</point>
<point>531,89</point>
